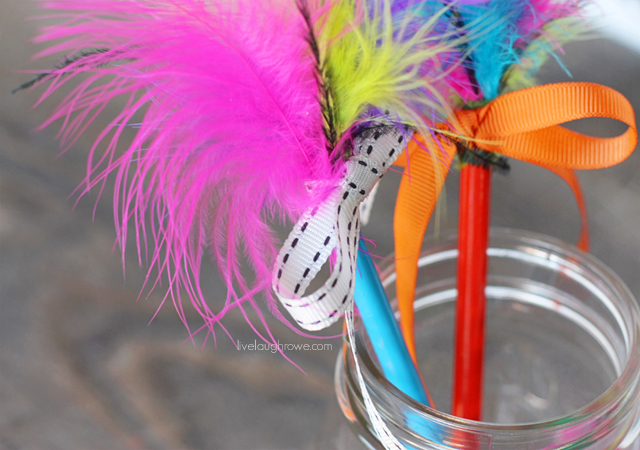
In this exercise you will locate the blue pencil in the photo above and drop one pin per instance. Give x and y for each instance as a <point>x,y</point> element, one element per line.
<point>383,329</point>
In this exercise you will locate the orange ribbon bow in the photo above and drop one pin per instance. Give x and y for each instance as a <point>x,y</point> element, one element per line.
<point>523,125</point>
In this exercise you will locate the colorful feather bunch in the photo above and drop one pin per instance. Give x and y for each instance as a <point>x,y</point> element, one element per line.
<point>247,108</point>
<point>381,62</point>
<point>505,37</point>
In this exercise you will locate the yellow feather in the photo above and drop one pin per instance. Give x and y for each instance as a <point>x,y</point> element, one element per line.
<point>369,60</point>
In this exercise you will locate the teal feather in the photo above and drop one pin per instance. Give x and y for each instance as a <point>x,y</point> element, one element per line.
<point>493,34</point>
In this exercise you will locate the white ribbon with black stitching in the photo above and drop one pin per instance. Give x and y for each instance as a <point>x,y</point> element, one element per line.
<point>383,433</point>
<point>336,223</point>
<point>367,206</point>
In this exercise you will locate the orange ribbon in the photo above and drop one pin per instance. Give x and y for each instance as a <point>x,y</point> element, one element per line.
<point>522,125</point>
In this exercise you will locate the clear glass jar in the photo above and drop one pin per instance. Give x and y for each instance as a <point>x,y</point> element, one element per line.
<point>562,358</point>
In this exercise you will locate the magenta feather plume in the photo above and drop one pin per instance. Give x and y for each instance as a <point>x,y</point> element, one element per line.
<point>232,133</point>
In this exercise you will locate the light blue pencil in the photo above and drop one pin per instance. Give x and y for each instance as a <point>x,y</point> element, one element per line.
<point>383,329</point>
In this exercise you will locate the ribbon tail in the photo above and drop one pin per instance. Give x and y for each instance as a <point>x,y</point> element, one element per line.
<point>419,190</point>
<point>569,176</point>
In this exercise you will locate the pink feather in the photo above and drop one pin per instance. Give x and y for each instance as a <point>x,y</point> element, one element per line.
<point>543,11</point>
<point>232,132</point>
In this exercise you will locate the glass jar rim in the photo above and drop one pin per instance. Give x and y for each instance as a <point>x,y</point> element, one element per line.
<point>606,401</point>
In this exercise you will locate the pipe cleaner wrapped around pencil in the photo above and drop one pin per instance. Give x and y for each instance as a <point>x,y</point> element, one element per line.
<point>249,114</point>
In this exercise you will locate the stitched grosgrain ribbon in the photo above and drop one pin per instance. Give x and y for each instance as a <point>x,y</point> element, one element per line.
<point>522,125</point>
<point>336,224</point>
<point>333,224</point>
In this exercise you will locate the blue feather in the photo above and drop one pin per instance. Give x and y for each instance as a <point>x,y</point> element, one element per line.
<point>493,32</point>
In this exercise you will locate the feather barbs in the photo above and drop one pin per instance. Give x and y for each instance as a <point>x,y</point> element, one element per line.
<point>247,113</point>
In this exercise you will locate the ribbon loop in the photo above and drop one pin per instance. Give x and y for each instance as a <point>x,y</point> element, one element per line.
<point>524,125</point>
<point>335,223</point>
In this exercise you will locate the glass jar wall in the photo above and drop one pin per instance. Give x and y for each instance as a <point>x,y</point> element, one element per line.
<point>562,357</point>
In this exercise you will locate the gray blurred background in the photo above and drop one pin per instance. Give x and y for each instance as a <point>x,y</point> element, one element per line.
<point>81,367</point>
